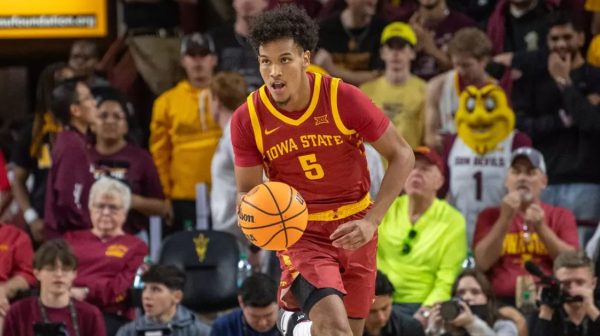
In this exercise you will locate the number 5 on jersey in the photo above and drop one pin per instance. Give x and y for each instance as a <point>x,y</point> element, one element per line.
<point>312,170</point>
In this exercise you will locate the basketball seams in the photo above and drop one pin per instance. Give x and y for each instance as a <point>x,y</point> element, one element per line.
<point>278,232</point>
<point>259,209</point>
<point>290,201</point>
<point>273,224</point>
<point>262,217</point>
<point>280,215</point>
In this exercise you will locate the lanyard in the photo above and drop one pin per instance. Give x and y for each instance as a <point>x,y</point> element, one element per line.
<point>71,309</point>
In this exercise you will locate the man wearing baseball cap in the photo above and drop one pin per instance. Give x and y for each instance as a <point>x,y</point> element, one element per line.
<point>400,94</point>
<point>183,133</point>
<point>522,228</point>
<point>422,239</point>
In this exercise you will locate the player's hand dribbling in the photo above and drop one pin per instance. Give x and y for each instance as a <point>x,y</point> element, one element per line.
<point>354,234</point>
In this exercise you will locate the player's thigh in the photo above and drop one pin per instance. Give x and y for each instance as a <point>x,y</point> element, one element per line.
<point>360,271</point>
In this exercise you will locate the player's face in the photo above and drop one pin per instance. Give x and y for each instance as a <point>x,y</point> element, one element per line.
<point>424,179</point>
<point>107,214</point>
<point>524,177</point>
<point>261,319</point>
<point>564,40</point>
<point>397,57</point>
<point>283,69</point>
<point>56,279</point>
<point>111,123</point>
<point>379,314</point>
<point>158,300</point>
<point>468,68</point>
<point>199,67</point>
<point>470,291</point>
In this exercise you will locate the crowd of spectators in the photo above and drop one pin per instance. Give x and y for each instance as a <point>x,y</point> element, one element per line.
<point>80,180</point>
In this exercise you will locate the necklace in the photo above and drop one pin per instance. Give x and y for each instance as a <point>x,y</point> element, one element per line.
<point>526,233</point>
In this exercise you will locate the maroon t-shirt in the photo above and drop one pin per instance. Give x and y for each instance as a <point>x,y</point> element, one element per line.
<point>69,183</point>
<point>425,65</point>
<point>24,313</point>
<point>135,166</point>
<point>516,251</point>
<point>107,268</point>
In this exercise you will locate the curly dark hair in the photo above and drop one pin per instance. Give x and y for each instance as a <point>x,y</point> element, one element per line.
<point>287,21</point>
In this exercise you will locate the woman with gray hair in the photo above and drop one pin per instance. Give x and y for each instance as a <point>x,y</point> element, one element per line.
<point>108,257</point>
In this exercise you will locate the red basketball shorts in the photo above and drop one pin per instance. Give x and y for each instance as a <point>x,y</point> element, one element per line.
<point>325,266</point>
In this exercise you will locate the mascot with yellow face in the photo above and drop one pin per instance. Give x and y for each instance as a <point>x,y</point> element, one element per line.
<point>478,157</point>
<point>484,118</point>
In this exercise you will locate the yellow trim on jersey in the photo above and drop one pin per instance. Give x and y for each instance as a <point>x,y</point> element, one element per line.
<point>255,124</point>
<point>309,111</point>
<point>341,212</point>
<point>334,108</point>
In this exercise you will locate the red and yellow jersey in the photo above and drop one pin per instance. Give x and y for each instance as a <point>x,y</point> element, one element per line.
<point>319,151</point>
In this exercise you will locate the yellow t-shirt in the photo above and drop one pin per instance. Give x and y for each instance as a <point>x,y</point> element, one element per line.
<point>404,104</point>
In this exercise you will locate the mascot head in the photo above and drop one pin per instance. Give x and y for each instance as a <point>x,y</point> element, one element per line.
<point>483,118</point>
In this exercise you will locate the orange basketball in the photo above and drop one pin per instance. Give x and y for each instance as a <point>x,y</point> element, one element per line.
<point>273,216</point>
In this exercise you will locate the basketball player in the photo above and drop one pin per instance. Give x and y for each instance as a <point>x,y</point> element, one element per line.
<point>307,130</point>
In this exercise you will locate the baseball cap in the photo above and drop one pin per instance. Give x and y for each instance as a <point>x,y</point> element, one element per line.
<point>398,31</point>
<point>432,156</point>
<point>533,155</point>
<point>197,44</point>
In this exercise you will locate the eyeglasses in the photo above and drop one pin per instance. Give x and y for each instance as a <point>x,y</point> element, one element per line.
<point>406,247</point>
<point>112,208</point>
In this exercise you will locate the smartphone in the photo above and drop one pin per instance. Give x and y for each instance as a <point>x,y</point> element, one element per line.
<point>49,329</point>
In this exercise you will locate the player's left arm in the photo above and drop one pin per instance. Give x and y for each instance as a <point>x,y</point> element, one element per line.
<point>400,158</point>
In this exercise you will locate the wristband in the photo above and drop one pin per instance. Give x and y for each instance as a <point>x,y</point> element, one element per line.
<point>30,215</point>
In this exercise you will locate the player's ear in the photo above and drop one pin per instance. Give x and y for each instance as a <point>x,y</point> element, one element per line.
<point>306,58</point>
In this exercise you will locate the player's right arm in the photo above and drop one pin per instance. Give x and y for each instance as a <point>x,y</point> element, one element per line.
<point>247,178</point>
<point>248,161</point>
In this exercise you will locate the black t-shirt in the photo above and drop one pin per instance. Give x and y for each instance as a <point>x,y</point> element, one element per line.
<point>37,167</point>
<point>527,32</point>
<point>236,54</point>
<point>570,153</point>
<point>560,325</point>
<point>353,49</point>
<point>163,14</point>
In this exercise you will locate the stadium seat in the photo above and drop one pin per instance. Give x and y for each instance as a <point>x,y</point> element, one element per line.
<point>209,259</point>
